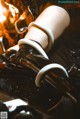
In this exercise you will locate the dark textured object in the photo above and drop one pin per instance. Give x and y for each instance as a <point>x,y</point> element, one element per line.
<point>66,51</point>
<point>24,64</point>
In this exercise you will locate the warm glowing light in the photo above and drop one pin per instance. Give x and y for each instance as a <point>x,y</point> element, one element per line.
<point>2,18</point>
<point>13,10</point>
<point>8,15</point>
<point>22,16</point>
<point>2,13</point>
<point>7,11</point>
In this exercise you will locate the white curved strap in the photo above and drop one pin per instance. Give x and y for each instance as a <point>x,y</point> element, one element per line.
<point>34,45</point>
<point>47,68</point>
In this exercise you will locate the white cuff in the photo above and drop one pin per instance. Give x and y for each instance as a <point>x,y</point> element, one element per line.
<point>45,30</point>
